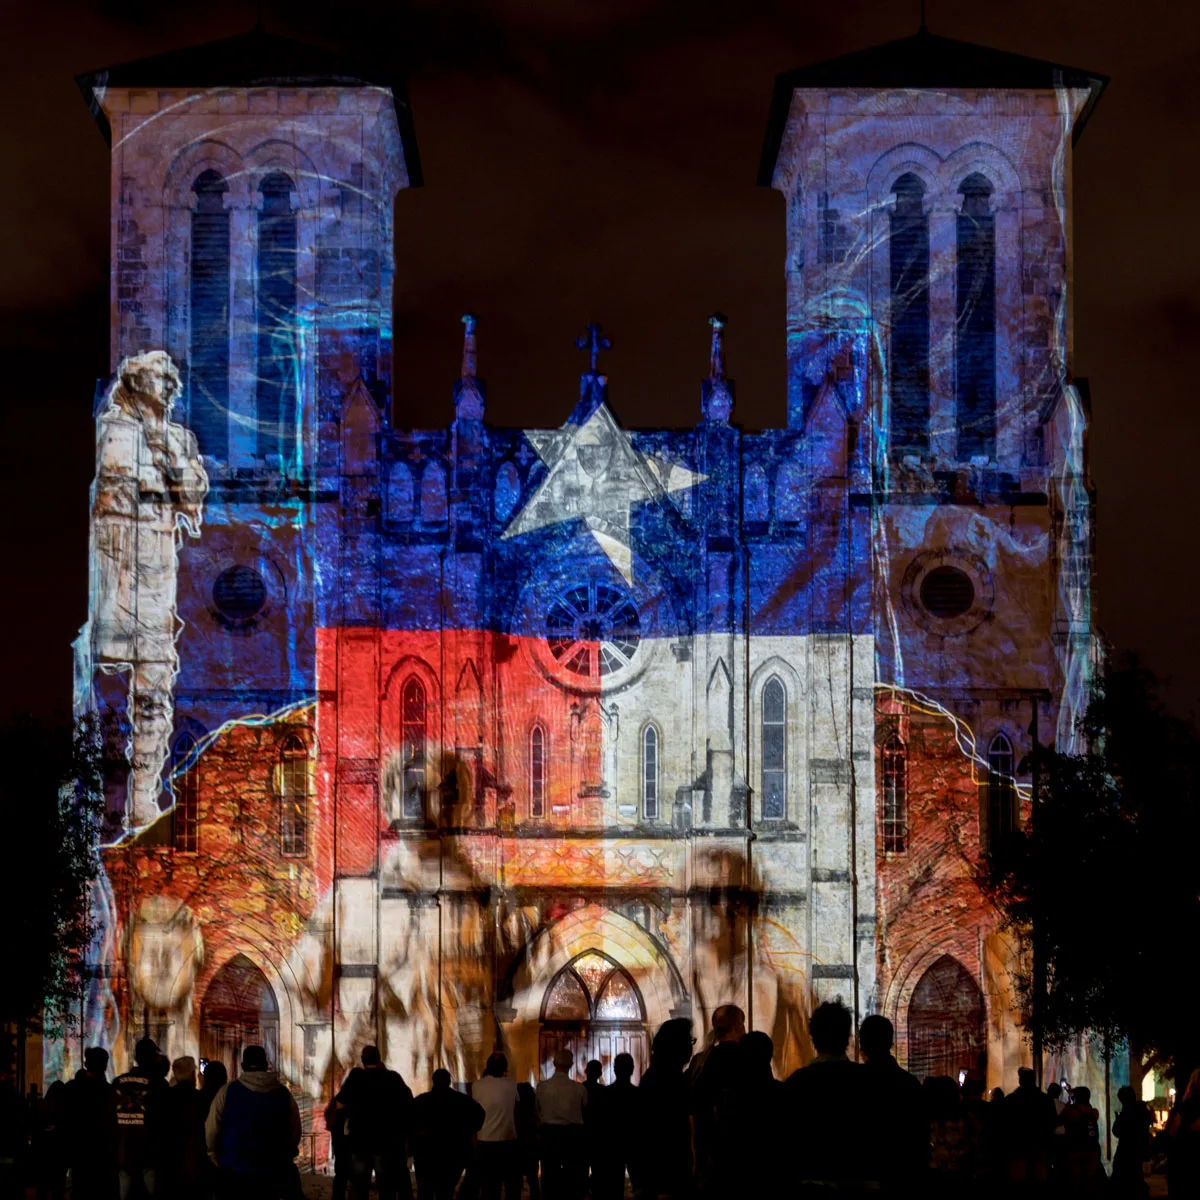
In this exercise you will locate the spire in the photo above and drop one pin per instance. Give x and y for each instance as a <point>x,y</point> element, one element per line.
<point>593,387</point>
<point>716,393</point>
<point>593,341</point>
<point>469,320</point>
<point>469,390</point>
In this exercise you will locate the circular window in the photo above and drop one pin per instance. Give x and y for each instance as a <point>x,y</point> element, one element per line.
<point>239,594</point>
<point>593,630</point>
<point>947,592</point>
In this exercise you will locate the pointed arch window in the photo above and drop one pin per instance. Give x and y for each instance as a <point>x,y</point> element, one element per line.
<point>1001,794</point>
<point>293,795</point>
<point>650,773</point>
<point>433,495</point>
<point>413,741</point>
<point>756,500</point>
<point>975,321</point>
<point>895,796</point>
<point>774,750</point>
<point>537,772</point>
<point>400,494</point>
<point>185,821</point>
<point>909,254</point>
<point>508,490</point>
<point>789,491</point>
<point>208,350</point>
<point>279,363</point>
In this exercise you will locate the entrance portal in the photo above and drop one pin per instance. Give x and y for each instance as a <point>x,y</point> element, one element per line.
<point>945,1022</point>
<point>594,1009</point>
<point>239,1010</point>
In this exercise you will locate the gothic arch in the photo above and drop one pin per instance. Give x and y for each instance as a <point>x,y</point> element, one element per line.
<point>613,935</point>
<point>898,998</point>
<point>909,158</point>
<point>278,154</point>
<point>239,941</point>
<point>207,154</point>
<point>989,161</point>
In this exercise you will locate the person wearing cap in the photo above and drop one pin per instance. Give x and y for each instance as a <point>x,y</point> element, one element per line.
<point>253,1131</point>
<point>561,1103</point>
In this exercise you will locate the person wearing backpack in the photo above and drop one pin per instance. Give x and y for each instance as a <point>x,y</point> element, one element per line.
<point>140,1100</point>
<point>253,1132</point>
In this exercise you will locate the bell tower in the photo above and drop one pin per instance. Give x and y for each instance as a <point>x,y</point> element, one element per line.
<point>252,189</point>
<point>928,188</point>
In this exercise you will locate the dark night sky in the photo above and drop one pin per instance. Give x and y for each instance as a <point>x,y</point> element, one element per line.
<point>597,161</point>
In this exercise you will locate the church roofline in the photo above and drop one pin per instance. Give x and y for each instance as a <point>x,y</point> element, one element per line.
<point>255,59</point>
<point>923,60</point>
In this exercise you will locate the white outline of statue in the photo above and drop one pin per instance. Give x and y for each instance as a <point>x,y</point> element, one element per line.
<point>150,484</point>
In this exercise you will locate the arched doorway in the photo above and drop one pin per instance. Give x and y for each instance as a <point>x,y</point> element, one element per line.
<point>594,1009</point>
<point>946,1032</point>
<point>239,1010</point>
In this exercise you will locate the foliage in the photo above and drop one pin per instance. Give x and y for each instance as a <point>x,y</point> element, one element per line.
<point>52,800</point>
<point>1107,880</point>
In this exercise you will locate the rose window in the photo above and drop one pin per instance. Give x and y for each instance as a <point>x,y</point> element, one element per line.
<point>592,630</point>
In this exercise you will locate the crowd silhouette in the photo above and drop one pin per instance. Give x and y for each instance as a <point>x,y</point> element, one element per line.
<point>708,1123</point>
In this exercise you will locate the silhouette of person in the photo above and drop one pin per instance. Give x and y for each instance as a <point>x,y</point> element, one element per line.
<point>91,1129</point>
<point>750,1128</point>
<point>335,1123</point>
<point>1132,1129</point>
<point>714,1082</point>
<point>896,1141</point>
<point>1028,1129</point>
<point>665,1155</point>
<point>499,1154</point>
<point>1183,1141</point>
<point>1082,1139</point>
<point>184,1131</point>
<point>561,1103</point>
<point>619,1132</point>
<point>140,1098</point>
<point>377,1103</point>
<point>820,1098</point>
<point>952,1150</point>
<point>527,1138</point>
<point>594,1118</point>
<point>444,1124</point>
<point>253,1131</point>
<point>215,1078</point>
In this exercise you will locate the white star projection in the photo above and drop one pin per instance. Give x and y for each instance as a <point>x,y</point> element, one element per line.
<point>595,474</point>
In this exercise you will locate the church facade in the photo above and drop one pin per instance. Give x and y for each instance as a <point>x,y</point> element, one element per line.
<point>480,737</point>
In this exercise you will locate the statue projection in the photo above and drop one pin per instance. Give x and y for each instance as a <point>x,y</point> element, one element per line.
<point>483,738</point>
<point>148,493</point>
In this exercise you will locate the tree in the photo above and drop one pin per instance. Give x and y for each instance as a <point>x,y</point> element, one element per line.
<point>1107,879</point>
<point>52,800</point>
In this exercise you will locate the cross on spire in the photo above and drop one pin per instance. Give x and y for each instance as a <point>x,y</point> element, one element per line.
<point>593,341</point>
<point>469,350</point>
<point>716,357</point>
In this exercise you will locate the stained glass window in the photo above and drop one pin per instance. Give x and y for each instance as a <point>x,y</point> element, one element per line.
<point>909,253</point>
<point>293,795</point>
<point>618,1001</point>
<point>279,365</point>
<point>895,796</point>
<point>537,772</point>
<point>186,821</point>
<point>774,750</point>
<point>1001,795</point>
<point>567,1000</point>
<point>208,353</point>
<point>975,322</point>
<point>412,747</point>
<point>650,773</point>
